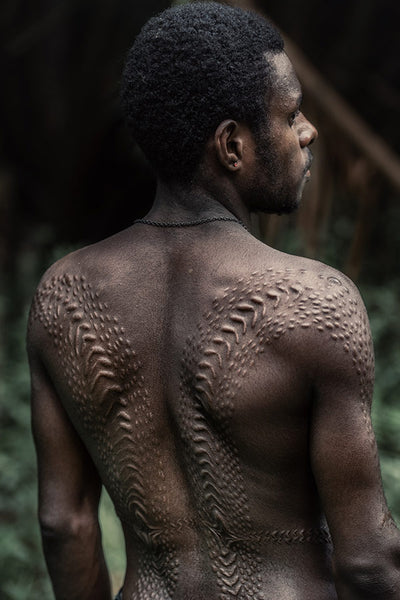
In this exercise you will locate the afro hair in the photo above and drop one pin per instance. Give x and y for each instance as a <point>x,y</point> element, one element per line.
<point>190,68</point>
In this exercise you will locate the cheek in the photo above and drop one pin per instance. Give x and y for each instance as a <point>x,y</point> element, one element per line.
<point>288,150</point>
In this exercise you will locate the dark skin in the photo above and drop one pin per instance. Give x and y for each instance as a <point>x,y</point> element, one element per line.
<point>219,389</point>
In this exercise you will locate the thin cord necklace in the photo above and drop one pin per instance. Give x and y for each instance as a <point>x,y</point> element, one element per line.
<point>190,223</point>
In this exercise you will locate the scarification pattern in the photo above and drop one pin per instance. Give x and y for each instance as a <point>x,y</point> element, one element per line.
<point>295,536</point>
<point>213,468</point>
<point>249,316</point>
<point>110,402</point>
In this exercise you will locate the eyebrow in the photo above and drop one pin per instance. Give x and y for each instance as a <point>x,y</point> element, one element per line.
<point>299,100</point>
<point>294,102</point>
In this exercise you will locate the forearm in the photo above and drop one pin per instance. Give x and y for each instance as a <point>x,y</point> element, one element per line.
<point>367,589</point>
<point>75,561</point>
<point>369,580</point>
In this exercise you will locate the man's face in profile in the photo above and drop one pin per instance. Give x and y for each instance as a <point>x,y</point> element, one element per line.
<point>283,159</point>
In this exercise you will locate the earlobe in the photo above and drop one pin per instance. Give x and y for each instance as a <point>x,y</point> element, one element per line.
<point>229,144</point>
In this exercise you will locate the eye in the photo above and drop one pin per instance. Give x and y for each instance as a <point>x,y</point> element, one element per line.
<point>293,116</point>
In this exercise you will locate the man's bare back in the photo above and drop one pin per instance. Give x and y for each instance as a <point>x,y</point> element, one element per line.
<point>184,359</point>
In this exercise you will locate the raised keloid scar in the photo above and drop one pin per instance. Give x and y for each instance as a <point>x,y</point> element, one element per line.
<point>109,401</point>
<point>249,316</point>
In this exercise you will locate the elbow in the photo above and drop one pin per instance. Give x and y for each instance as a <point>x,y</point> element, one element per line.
<point>60,525</point>
<point>368,577</point>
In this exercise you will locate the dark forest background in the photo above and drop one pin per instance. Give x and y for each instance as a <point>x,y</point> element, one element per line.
<point>70,175</point>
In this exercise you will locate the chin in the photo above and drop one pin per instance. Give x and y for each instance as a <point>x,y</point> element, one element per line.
<point>282,209</point>
<point>283,206</point>
<point>279,202</point>
<point>292,202</point>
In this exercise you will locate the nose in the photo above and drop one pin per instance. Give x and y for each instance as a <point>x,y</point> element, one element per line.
<point>307,133</point>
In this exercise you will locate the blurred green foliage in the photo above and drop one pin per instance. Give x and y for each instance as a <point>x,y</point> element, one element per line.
<point>22,570</point>
<point>22,573</point>
<point>383,308</point>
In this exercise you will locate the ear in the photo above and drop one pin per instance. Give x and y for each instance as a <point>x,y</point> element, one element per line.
<point>228,140</point>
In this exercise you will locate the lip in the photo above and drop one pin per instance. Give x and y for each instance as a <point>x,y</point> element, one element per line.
<point>307,171</point>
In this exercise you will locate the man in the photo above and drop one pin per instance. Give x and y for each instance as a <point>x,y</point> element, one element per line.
<point>219,389</point>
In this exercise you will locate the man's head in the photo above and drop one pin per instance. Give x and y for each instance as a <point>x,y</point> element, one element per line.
<point>192,67</point>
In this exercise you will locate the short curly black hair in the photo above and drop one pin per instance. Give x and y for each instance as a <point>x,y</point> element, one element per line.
<point>190,68</point>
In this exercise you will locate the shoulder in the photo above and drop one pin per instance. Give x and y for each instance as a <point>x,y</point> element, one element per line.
<point>309,284</point>
<point>292,294</point>
<point>310,312</point>
<point>323,317</point>
<point>328,301</point>
<point>311,288</point>
<point>321,298</point>
<point>70,285</point>
<point>96,264</point>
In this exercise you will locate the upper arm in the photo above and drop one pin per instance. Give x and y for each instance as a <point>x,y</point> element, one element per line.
<point>69,485</point>
<point>343,447</point>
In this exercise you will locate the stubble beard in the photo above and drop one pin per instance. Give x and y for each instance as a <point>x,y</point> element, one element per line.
<point>274,198</point>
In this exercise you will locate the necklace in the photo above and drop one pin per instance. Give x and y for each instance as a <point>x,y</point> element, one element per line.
<point>189,223</point>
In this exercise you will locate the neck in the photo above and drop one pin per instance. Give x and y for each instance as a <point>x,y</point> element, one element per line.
<point>179,203</point>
